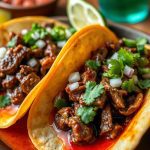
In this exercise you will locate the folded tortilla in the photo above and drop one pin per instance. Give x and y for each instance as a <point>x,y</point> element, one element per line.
<point>80,44</point>
<point>16,26</point>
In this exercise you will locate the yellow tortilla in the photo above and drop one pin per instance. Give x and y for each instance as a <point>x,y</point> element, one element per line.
<point>16,26</point>
<point>74,54</point>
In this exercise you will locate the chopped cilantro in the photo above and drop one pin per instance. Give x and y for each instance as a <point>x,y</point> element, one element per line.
<point>115,70</point>
<point>129,42</point>
<point>129,85</point>
<point>92,92</point>
<point>12,42</point>
<point>72,30</point>
<point>86,114</point>
<point>141,41</point>
<point>58,33</point>
<point>126,57</point>
<point>93,64</point>
<point>4,101</point>
<point>60,103</point>
<point>144,84</point>
<point>36,32</point>
<point>144,70</point>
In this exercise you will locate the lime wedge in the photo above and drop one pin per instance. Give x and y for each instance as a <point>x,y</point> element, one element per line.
<point>4,16</point>
<point>81,14</point>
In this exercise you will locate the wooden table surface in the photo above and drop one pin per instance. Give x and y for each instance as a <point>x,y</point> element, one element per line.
<point>143,26</point>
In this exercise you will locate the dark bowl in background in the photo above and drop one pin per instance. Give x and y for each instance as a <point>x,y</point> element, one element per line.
<point>18,11</point>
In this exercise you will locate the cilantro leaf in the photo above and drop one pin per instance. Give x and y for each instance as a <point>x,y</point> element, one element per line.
<point>126,57</point>
<point>60,103</point>
<point>4,101</point>
<point>93,64</point>
<point>116,69</point>
<point>12,42</point>
<point>129,42</point>
<point>86,114</point>
<point>144,70</point>
<point>129,85</point>
<point>58,33</point>
<point>144,84</point>
<point>39,31</point>
<point>92,92</point>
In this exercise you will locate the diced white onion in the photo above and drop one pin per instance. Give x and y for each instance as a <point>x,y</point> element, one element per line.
<point>35,35</point>
<point>128,71</point>
<point>3,51</point>
<point>61,43</point>
<point>48,29</point>
<point>146,76</point>
<point>32,62</point>
<point>135,79</point>
<point>24,31</point>
<point>109,66</point>
<point>73,86</point>
<point>74,77</point>
<point>40,44</point>
<point>114,56</point>
<point>68,33</point>
<point>115,82</point>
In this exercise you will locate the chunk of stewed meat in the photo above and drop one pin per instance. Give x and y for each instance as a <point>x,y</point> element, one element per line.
<point>16,95</point>
<point>29,82</point>
<point>17,38</point>
<point>115,132</point>
<point>80,133</point>
<point>89,75</point>
<point>24,71</point>
<point>46,63</point>
<point>11,61</point>
<point>106,121</point>
<point>50,50</point>
<point>37,53</point>
<point>9,82</point>
<point>133,107</point>
<point>62,118</point>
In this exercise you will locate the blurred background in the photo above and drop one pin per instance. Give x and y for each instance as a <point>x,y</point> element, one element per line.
<point>134,13</point>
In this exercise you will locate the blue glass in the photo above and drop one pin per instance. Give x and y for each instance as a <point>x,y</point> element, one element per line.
<point>127,11</point>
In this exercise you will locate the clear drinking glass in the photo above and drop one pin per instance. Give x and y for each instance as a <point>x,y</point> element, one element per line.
<point>127,11</point>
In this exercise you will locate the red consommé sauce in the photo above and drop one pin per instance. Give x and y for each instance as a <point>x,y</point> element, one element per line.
<point>99,144</point>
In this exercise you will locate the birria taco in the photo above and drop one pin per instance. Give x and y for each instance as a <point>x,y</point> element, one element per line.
<point>29,47</point>
<point>96,96</point>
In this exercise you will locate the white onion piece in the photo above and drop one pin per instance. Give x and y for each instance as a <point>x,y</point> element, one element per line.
<point>48,29</point>
<point>68,33</point>
<point>114,56</point>
<point>32,62</point>
<point>146,76</point>
<point>73,86</point>
<point>40,44</point>
<point>115,82</point>
<point>128,71</point>
<point>24,31</point>
<point>61,43</point>
<point>35,36</point>
<point>3,51</point>
<point>74,77</point>
<point>135,79</point>
<point>109,66</point>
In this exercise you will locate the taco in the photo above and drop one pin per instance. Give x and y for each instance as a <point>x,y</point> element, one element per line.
<point>28,49</point>
<point>95,97</point>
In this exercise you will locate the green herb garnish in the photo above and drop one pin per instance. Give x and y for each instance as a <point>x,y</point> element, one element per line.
<point>86,114</point>
<point>4,101</point>
<point>58,33</point>
<point>92,92</point>
<point>93,64</point>
<point>129,85</point>
<point>129,42</point>
<point>144,84</point>
<point>36,32</point>
<point>115,70</point>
